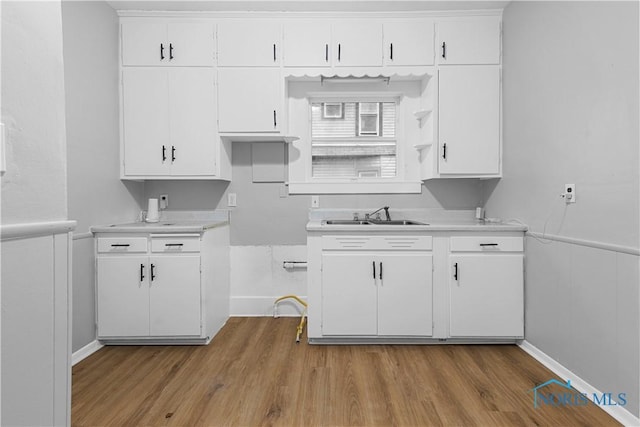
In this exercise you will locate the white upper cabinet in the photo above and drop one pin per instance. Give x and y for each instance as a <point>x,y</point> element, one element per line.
<point>357,44</point>
<point>469,41</point>
<point>250,99</point>
<point>162,44</point>
<point>168,122</point>
<point>408,42</point>
<point>243,43</point>
<point>307,44</point>
<point>469,120</point>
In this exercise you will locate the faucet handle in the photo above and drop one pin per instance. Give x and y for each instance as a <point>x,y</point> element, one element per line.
<point>355,216</point>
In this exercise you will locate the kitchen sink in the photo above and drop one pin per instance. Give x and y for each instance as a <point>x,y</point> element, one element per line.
<point>347,222</point>
<point>372,222</point>
<point>398,222</point>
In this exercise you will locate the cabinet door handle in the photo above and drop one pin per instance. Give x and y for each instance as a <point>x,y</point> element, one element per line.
<point>141,272</point>
<point>120,245</point>
<point>339,49</point>
<point>170,51</point>
<point>275,119</point>
<point>444,151</point>
<point>374,270</point>
<point>274,52</point>
<point>173,154</point>
<point>153,274</point>
<point>380,272</point>
<point>164,153</point>
<point>444,50</point>
<point>455,271</point>
<point>488,244</point>
<point>161,51</point>
<point>326,52</point>
<point>391,51</point>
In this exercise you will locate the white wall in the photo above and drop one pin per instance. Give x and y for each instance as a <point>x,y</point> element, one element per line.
<point>34,187</point>
<point>35,277</point>
<point>96,195</point>
<point>570,93</point>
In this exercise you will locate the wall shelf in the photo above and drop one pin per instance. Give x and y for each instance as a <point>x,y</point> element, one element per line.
<point>422,146</point>
<point>421,114</point>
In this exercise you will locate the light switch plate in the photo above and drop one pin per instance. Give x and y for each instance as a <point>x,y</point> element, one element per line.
<point>3,150</point>
<point>315,201</point>
<point>232,200</point>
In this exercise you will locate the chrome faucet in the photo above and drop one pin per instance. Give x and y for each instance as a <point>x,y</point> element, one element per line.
<point>386,212</point>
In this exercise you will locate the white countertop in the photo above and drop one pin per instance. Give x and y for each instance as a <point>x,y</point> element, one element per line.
<point>171,222</point>
<point>432,220</point>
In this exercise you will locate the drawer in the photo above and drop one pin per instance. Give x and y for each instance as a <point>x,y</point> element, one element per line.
<point>175,244</point>
<point>122,244</point>
<point>487,244</point>
<point>400,242</point>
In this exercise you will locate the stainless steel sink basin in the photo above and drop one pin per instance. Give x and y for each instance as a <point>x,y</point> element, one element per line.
<point>372,222</point>
<point>346,222</point>
<point>399,222</point>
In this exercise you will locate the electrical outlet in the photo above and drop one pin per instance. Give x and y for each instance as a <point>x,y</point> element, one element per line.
<point>569,193</point>
<point>164,201</point>
<point>315,201</point>
<point>232,200</point>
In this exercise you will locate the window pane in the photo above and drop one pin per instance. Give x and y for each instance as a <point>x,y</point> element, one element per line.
<point>358,144</point>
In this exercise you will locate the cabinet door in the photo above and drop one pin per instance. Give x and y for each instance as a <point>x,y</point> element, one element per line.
<point>408,43</point>
<point>145,121</point>
<point>357,44</point>
<point>469,120</point>
<point>248,43</point>
<point>192,115</point>
<point>349,294</point>
<point>487,296</point>
<point>405,294</point>
<point>470,41</point>
<point>123,296</point>
<point>191,44</point>
<point>307,44</point>
<point>249,100</point>
<point>174,296</point>
<point>144,43</point>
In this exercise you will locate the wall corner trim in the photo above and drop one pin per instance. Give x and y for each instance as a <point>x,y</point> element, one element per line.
<point>85,352</point>
<point>35,229</point>
<point>619,413</point>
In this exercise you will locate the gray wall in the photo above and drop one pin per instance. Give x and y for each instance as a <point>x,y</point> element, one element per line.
<point>570,92</point>
<point>262,217</point>
<point>96,195</point>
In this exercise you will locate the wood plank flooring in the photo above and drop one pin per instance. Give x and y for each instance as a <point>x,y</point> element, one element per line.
<point>254,374</point>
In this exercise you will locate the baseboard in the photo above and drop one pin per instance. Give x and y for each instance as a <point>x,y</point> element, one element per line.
<point>618,412</point>
<point>263,306</point>
<point>85,352</point>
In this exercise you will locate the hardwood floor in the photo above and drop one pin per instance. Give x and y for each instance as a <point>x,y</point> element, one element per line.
<point>253,373</point>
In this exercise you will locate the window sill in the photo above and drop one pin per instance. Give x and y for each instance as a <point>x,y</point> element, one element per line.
<point>355,187</point>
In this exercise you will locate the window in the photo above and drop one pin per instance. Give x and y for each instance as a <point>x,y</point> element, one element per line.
<point>353,140</point>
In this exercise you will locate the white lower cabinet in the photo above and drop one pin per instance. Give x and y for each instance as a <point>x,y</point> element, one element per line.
<point>159,291</point>
<point>377,293</point>
<point>486,287</point>
<point>431,287</point>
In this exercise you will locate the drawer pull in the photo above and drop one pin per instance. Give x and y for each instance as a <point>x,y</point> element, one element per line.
<point>174,244</point>
<point>120,245</point>
<point>488,244</point>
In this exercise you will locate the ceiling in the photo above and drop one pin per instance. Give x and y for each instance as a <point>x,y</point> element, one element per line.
<point>304,5</point>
